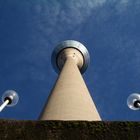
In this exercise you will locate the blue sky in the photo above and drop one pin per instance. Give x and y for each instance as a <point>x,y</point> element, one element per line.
<point>30,30</point>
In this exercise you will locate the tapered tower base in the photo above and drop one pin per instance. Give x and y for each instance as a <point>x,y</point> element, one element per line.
<point>70,98</point>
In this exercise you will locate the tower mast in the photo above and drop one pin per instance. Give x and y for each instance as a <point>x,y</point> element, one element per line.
<point>70,98</point>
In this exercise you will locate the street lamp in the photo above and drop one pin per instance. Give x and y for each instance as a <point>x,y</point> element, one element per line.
<point>133,101</point>
<point>9,98</point>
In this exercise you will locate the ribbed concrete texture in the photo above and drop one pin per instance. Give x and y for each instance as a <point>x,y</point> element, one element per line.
<point>70,98</point>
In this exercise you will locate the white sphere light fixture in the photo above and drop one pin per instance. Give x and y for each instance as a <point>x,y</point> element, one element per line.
<point>9,98</point>
<point>133,101</point>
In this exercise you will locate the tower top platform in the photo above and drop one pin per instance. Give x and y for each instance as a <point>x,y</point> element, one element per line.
<point>70,44</point>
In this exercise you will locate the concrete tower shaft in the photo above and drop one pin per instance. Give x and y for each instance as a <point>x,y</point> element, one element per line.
<point>70,53</point>
<point>70,98</point>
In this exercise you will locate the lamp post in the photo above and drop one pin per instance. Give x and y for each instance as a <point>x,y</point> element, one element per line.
<point>10,98</point>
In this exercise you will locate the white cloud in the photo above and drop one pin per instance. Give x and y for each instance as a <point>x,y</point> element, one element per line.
<point>50,15</point>
<point>52,20</point>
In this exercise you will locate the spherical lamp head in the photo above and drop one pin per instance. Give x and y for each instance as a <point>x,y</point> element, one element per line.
<point>133,101</point>
<point>12,96</point>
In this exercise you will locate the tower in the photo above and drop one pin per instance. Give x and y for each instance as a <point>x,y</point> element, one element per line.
<point>70,98</point>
